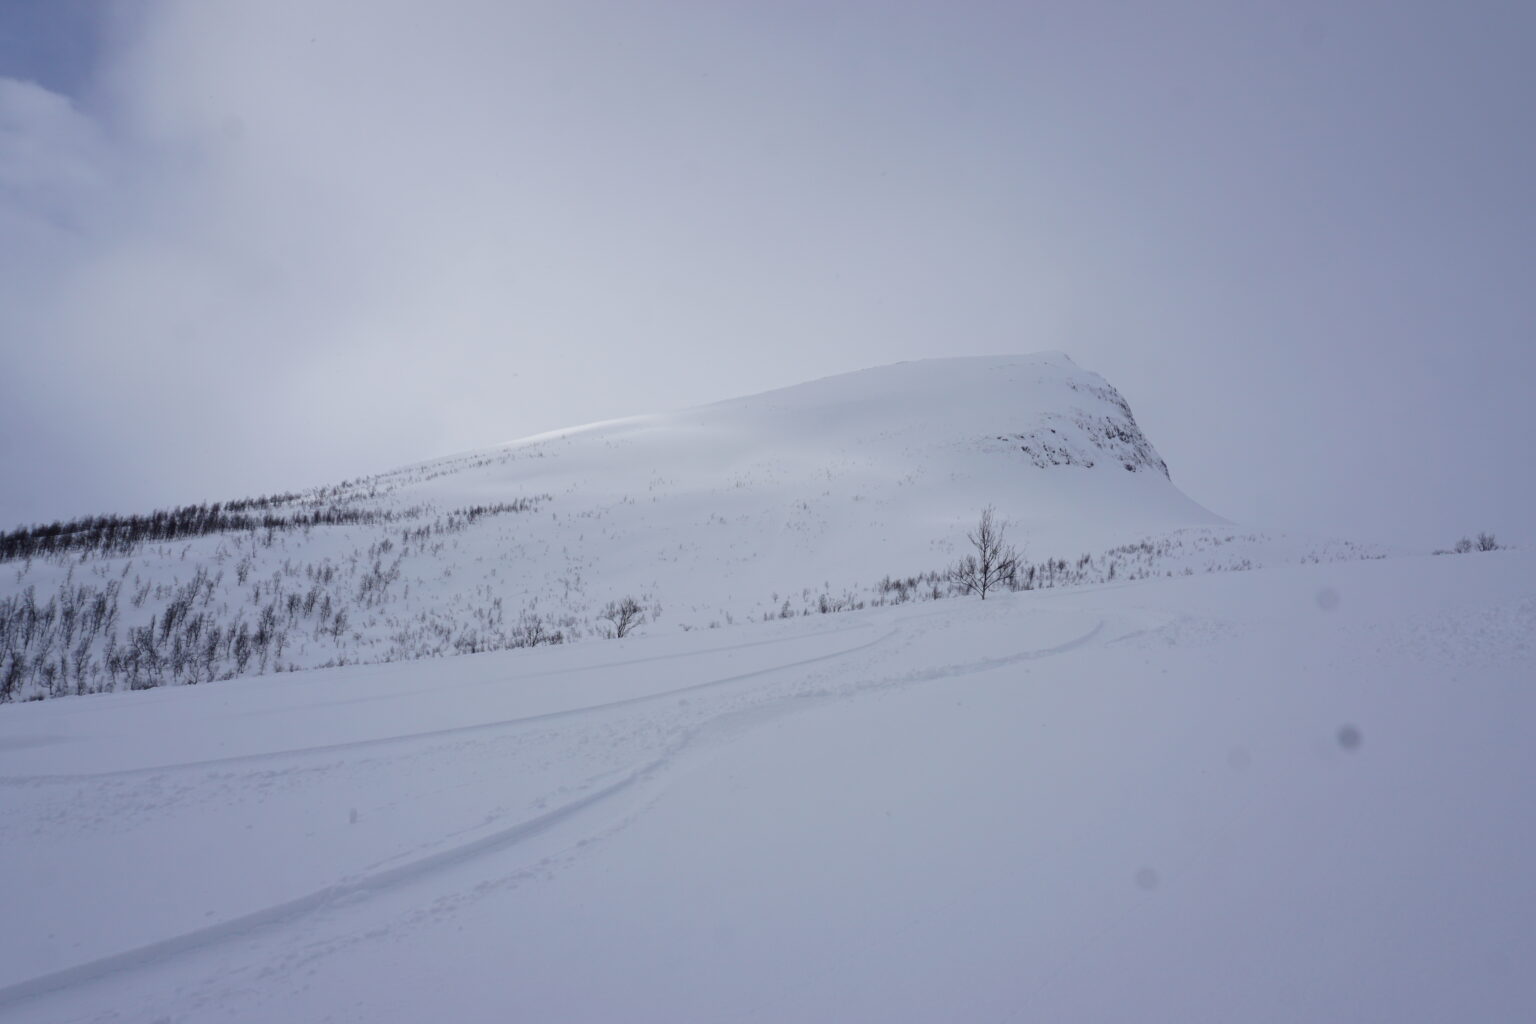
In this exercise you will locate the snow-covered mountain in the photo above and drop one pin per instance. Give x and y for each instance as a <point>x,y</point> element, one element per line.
<point>852,490</point>
<point>828,485</point>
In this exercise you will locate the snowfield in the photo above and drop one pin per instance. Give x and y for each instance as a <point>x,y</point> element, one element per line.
<point>1290,794</point>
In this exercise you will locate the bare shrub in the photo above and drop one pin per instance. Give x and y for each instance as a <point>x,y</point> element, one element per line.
<point>621,618</point>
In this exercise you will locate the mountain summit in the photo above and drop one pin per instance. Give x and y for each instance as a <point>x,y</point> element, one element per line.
<point>833,483</point>
<point>898,454</point>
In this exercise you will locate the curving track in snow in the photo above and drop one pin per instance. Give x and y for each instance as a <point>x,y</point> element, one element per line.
<point>1217,798</point>
<point>275,838</point>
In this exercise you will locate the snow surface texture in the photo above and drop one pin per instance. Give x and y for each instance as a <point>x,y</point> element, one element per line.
<point>828,496</point>
<point>1294,794</point>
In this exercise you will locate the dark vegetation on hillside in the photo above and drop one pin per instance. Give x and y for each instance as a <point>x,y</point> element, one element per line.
<point>210,627</point>
<point>112,535</point>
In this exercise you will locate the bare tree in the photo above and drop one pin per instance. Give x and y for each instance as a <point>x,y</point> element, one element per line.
<point>622,617</point>
<point>532,631</point>
<point>1487,542</point>
<point>994,563</point>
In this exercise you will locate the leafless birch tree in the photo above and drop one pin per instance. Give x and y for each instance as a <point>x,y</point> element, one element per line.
<point>994,562</point>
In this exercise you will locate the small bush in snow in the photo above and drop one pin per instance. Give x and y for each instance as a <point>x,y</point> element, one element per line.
<point>1484,542</point>
<point>621,617</point>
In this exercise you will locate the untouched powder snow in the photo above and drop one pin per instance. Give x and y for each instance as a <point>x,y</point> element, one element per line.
<point>1294,794</point>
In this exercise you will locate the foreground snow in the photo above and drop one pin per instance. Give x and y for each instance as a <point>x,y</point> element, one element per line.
<point>1295,794</point>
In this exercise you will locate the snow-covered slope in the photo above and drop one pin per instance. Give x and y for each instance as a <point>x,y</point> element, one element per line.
<point>825,496</point>
<point>839,481</point>
<point>1285,795</point>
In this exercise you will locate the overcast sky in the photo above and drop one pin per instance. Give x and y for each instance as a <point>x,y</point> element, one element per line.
<point>247,247</point>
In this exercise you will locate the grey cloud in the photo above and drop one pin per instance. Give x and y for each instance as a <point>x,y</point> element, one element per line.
<point>264,245</point>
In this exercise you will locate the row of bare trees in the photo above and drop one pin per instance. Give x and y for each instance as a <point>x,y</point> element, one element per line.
<point>1484,542</point>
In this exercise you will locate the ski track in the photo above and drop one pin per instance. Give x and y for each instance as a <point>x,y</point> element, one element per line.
<point>458,730</point>
<point>602,666</point>
<point>723,724</point>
